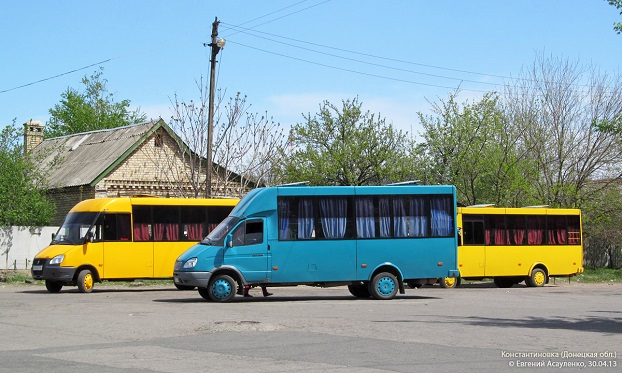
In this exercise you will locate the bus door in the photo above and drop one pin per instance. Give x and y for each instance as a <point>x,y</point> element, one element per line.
<point>249,251</point>
<point>472,249</point>
<point>122,257</point>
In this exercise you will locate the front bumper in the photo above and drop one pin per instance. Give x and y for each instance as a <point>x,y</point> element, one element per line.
<point>198,279</point>
<point>41,270</point>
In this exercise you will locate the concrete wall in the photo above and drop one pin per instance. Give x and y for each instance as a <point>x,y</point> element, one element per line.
<point>19,245</point>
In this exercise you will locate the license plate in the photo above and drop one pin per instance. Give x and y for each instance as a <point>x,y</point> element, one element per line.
<point>37,268</point>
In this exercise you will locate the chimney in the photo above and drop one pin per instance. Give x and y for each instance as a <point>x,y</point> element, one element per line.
<point>33,135</point>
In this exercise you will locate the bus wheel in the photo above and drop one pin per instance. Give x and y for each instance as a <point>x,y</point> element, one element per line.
<point>204,293</point>
<point>53,286</point>
<point>383,286</point>
<point>222,288</point>
<point>184,287</point>
<point>503,282</point>
<point>359,291</point>
<point>449,282</point>
<point>537,278</point>
<point>85,281</point>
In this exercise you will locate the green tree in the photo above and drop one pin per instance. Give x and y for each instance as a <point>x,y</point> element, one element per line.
<point>617,26</point>
<point>22,197</point>
<point>472,147</point>
<point>344,146</point>
<point>92,109</point>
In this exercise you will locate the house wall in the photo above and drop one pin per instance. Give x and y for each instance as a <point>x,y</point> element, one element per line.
<point>157,167</point>
<point>66,198</point>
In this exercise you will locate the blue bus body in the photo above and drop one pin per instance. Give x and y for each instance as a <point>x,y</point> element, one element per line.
<point>374,239</point>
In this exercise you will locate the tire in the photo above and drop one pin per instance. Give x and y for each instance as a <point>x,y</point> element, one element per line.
<point>359,291</point>
<point>53,286</point>
<point>537,279</point>
<point>383,286</point>
<point>504,282</point>
<point>184,287</point>
<point>85,281</point>
<point>222,288</point>
<point>449,282</point>
<point>204,293</point>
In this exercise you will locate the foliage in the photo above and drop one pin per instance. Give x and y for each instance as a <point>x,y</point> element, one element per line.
<point>22,198</point>
<point>92,109</point>
<point>473,147</point>
<point>344,146</point>
<point>617,26</point>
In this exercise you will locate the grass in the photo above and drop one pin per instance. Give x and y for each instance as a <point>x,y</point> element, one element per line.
<point>599,275</point>
<point>590,276</point>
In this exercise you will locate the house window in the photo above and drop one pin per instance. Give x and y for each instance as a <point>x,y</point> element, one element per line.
<point>157,139</point>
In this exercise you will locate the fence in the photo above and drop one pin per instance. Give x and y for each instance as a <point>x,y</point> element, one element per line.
<point>19,245</point>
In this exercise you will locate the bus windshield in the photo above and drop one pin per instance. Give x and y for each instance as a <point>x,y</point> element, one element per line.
<point>75,228</point>
<point>217,236</point>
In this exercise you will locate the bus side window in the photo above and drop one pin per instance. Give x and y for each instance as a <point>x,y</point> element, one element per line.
<point>473,232</point>
<point>116,227</point>
<point>248,233</point>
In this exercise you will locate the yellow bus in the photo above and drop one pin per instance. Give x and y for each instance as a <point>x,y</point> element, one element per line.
<point>125,238</point>
<point>511,245</point>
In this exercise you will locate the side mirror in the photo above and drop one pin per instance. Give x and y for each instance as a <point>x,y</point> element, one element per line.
<point>228,241</point>
<point>53,236</point>
<point>88,237</point>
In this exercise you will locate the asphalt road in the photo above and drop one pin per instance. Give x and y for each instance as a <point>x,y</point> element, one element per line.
<point>474,328</point>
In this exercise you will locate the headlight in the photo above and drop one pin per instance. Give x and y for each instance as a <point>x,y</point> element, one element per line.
<point>190,263</point>
<point>58,259</point>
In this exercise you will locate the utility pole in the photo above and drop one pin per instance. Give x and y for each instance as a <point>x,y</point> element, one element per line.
<point>216,45</point>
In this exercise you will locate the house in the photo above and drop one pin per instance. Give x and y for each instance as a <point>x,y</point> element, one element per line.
<point>140,159</point>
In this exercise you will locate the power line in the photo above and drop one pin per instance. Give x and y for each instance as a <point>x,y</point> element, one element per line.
<point>354,71</point>
<point>56,76</point>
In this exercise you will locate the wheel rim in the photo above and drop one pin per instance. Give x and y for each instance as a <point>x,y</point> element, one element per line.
<point>385,286</point>
<point>539,278</point>
<point>221,289</point>
<point>450,282</point>
<point>88,282</point>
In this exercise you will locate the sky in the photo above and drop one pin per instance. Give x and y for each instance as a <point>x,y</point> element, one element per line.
<point>288,57</point>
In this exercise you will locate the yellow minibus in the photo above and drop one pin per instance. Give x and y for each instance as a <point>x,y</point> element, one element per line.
<point>125,238</point>
<point>511,245</point>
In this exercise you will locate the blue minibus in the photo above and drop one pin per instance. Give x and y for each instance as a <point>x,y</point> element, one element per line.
<point>373,239</point>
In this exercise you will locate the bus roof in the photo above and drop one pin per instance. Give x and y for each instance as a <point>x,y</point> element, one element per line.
<point>124,204</point>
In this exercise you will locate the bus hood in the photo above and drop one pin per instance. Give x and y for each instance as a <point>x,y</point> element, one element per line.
<point>199,250</point>
<point>53,250</point>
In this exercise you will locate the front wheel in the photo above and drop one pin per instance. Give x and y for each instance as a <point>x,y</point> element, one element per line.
<point>53,286</point>
<point>85,281</point>
<point>222,288</point>
<point>449,282</point>
<point>537,278</point>
<point>383,286</point>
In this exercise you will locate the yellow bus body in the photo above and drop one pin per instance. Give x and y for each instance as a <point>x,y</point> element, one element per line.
<point>478,261</point>
<point>125,258</point>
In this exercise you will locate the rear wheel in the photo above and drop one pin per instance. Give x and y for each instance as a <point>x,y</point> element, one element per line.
<point>449,282</point>
<point>359,291</point>
<point>85,281</point>
<point>383,286</point>
<point>53,286</point>
<point>222,288</point>
<point>537,278</point>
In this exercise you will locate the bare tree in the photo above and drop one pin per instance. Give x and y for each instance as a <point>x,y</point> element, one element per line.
<point>558,104</point>
<point>245,145</point>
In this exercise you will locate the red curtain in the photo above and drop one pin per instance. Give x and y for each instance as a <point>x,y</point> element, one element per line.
<point>141,232</point>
